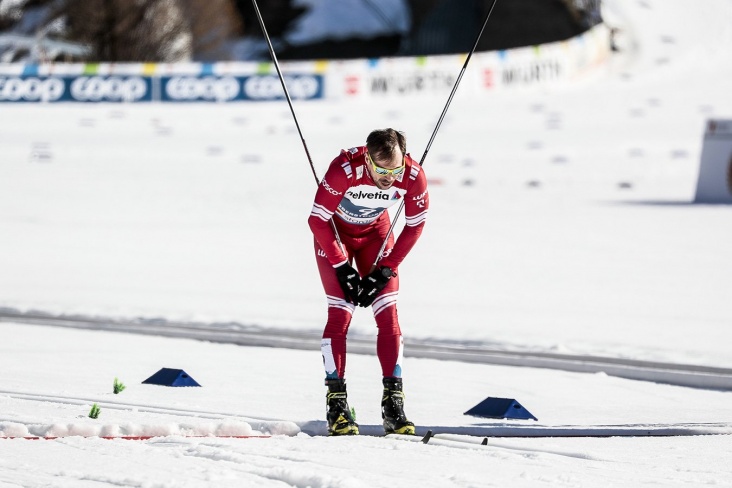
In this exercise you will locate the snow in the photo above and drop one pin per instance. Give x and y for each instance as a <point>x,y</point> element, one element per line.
<point>55,367</point>
<point>561,221</point>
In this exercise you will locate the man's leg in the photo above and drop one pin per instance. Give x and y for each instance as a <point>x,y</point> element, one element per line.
<point>389,348</point>
<point>333,348</point>
<point>389,338</point>
<point>389,345</point>
<point>333,344</point>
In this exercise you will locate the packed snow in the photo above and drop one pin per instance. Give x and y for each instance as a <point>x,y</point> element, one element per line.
<point>561,220</point>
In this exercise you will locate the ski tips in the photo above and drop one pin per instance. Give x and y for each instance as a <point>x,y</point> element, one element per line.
<point>427,437</point>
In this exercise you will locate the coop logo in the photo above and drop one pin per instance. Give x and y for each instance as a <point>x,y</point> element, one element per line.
<point>109,89</point>
<point>208,89</point>
<point>304,87</point>
<point>14,89</point>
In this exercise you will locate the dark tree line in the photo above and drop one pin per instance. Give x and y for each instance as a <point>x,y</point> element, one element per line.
<point>437,27</point>
<point>204,30</point>
<point>131,30</point>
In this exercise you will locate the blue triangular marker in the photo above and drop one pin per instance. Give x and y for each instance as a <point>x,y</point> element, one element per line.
<point>171,377</point>
<point>500,408</point>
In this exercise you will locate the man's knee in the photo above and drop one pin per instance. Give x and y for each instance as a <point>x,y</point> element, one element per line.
<point>387,319</point>
<point>385,304</point>
<point>339,317</point>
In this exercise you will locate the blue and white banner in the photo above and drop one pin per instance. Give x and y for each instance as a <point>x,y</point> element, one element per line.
<point>75,89</point>
<point>130,89</point>
<point>379,78</point>
<point>236,88</point>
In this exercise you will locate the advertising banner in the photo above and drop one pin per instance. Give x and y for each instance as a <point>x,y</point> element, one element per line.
<point>378,78</point>
<point>237,88</point>
<point>130,89</point>
<point>75,89</point>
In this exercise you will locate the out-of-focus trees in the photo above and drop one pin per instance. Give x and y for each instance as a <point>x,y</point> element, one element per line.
<point>128,30</point>
<point>213,25</point>
<point>131,30</point>
<point>220,30</point>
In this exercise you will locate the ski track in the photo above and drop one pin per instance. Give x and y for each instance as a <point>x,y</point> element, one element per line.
<point>447,436</point>
<point>241,461</point>
<point>688,375</point>
<point>226,462</point>
<point>236,425</point>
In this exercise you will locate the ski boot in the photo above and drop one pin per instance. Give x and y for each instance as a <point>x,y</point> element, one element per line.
<point>392,408</point>
<point>340,418</point>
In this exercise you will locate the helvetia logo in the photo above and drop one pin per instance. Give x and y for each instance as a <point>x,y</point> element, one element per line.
<point>372,196</point>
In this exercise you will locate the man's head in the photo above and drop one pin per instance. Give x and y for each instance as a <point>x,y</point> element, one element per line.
<point>386,149</point>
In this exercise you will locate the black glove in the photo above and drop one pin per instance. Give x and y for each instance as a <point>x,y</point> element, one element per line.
<point>373,284</point>
<point>349,280</point>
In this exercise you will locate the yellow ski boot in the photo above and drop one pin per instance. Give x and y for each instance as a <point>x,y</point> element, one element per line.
<point>341,420</point>
<point>392,408</point>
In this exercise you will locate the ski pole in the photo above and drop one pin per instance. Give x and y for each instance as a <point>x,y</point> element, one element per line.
<point>437,127</point>
<point>292,109</point>
<point>284,87</point>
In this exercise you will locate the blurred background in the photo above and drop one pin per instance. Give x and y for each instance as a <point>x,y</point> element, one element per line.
<point>228,30</point>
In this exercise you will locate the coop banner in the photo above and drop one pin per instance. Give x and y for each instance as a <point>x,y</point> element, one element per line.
<point>131,89</point>
<point>234,88</point>
<point>75,89</point>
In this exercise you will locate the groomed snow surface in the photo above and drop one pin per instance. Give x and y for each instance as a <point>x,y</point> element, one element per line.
<point>253,386</point>
<point>561,221</point>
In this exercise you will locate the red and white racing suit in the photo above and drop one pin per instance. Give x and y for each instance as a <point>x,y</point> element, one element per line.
<point>348,192</point>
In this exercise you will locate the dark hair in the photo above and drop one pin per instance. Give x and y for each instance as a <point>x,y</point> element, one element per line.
<point>382,143</point>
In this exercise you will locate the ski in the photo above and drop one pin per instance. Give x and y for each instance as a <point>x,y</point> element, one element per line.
<point>544,431</point>
<point>457,442</point>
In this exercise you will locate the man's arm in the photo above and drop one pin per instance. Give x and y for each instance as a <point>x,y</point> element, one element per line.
<point>330,193</point>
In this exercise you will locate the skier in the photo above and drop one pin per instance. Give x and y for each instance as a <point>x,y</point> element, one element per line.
<point>358,187</point>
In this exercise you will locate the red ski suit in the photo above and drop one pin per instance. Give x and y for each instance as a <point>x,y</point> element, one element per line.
<point>348,195</point>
